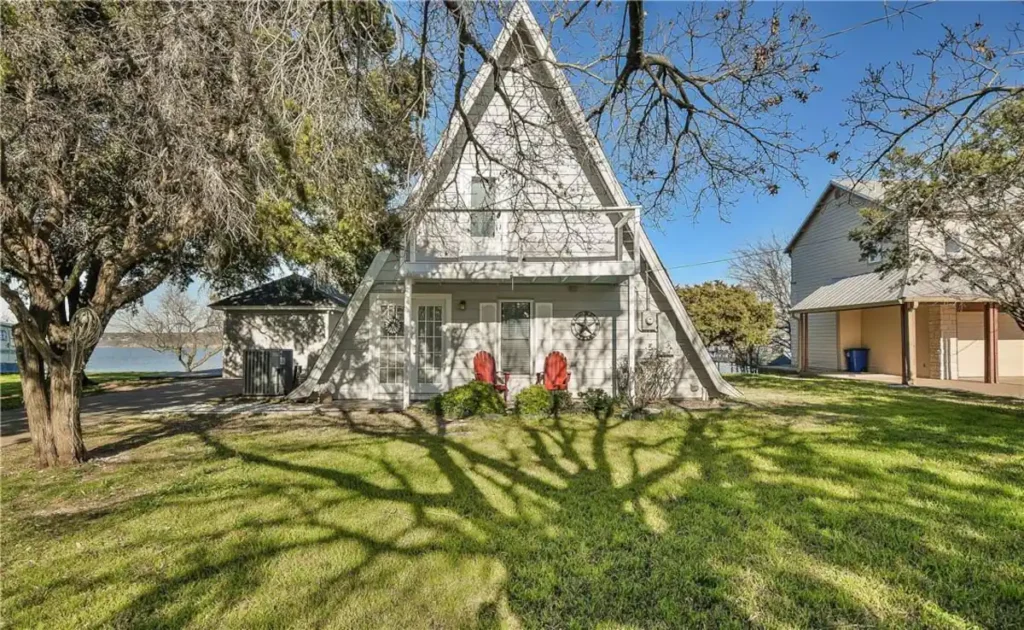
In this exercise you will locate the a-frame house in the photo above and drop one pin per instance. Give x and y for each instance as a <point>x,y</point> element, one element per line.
<point>521,242</point>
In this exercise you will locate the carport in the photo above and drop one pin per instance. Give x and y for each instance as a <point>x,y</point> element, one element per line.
<point>911,331</point>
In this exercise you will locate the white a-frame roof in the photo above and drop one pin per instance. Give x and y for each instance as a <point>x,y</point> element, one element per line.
<point>522,31</point>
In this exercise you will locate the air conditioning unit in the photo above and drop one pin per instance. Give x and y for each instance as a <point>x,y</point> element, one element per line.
<point>267,372</point>
<point>648,321</point>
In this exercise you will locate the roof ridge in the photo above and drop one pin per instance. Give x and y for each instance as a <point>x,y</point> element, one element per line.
<point>265,295</point>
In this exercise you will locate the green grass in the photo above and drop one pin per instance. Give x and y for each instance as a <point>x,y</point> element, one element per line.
<point>10,386</point>
<point>818,503</point>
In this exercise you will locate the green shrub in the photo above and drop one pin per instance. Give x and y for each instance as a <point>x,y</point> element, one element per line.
<point>561,401</point>
<point>434,405</point>
<point>598,402</point>
<point>534,401</point>
<point>475,398</point>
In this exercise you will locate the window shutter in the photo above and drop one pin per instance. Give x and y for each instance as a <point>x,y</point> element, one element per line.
<point>543,312</point>
<point>516,337</point>
<point>489,326</point>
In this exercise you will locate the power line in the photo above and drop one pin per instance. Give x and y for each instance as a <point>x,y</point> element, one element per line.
<point>757,253</point>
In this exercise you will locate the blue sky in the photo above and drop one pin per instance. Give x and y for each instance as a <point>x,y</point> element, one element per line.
<point>685,242</point>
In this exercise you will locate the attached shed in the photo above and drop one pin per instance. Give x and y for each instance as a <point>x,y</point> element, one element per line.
<point>293,313</point>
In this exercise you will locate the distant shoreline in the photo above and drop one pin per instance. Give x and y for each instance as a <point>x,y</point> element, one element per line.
<point>133,340</point>
<point>115,359</point>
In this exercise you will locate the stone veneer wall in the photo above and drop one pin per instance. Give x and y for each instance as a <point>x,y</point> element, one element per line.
<point>942,351</point>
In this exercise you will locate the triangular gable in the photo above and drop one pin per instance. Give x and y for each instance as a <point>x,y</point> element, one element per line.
<point>522,31</point>
<point>428,182</point>
<point>588,151</point>
<point>869,191</point>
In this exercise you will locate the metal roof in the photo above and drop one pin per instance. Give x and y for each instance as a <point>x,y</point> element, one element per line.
<point>873,289</point>
<point>868,289</point>
<point>291,291</point>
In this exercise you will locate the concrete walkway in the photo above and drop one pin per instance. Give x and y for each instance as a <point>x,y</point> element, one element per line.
<point>1012,387</point>
<point>134,398</point>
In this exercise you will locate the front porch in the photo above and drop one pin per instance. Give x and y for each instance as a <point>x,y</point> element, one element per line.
<point>519,322</point>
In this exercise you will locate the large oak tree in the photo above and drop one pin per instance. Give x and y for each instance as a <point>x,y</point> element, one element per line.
<point>146,142</point>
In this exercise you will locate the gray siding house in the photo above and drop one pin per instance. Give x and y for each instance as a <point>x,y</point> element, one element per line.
<point>923,327</point>
<point>521,237</point>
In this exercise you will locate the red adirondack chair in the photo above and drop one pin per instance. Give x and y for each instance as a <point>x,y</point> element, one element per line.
<point>484,368</point>
<point>556,372</point>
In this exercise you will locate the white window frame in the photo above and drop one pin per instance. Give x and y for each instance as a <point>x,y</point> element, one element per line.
<point>533,333</point>
<point>418,299</point>
<point>494,215</point>
<point>383,388</point>
<point>443,300</point>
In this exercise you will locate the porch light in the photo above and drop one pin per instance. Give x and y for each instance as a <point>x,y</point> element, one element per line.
<point>462,305</point>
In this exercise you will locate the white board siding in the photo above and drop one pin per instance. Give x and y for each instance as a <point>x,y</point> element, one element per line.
<point>543,334</point>
<point>551,165</point>
<point>822,255</point>
<point>689,382</point>
<point>301,330</point>
<point>388,280</point>
<point>592,363</point>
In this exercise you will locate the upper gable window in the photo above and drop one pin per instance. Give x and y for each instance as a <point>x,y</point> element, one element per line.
<point>875,258</point>
<point>481,196</point>
<point>953,246</point>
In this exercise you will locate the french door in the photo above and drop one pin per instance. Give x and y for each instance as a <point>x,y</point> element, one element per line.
<point>430,318</point>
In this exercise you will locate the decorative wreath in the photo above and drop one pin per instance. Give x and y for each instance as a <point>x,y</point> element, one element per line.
<point>393,326</point>
<point>584,325</point>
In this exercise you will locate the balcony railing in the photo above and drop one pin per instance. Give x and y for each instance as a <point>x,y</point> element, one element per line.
<point>523,235</point>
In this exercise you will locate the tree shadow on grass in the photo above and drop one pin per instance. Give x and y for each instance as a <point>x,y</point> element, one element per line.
<point>734,518</point>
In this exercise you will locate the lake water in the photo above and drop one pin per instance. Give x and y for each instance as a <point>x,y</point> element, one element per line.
<point>140,360</point>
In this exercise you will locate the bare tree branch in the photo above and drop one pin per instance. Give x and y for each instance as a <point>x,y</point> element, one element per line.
<point>179,325</point>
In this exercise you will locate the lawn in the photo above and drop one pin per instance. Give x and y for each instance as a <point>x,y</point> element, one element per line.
<point>10,386</point>
<point>817,503</point>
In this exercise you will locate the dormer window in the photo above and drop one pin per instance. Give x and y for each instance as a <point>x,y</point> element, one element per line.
<point>953,246</point>
<point>481,196</point>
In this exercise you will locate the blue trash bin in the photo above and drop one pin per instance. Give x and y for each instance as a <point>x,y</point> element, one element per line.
<point>856,359</point>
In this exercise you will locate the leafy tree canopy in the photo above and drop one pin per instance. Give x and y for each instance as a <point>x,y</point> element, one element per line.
<point>151,141</point>
<point>728,315</point>
<point>958,217</point>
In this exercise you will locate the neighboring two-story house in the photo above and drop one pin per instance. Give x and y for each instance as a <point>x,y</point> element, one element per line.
<point>924,329</point>
<point>521,243</point>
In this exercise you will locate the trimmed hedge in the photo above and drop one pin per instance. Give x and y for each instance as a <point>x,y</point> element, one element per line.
<point>537,401</point>
<point>534,401</point>
<point>475,398</point>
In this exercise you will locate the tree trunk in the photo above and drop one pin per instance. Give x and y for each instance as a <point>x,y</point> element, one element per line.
<point>65,395</point>
<point>37,404</point>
